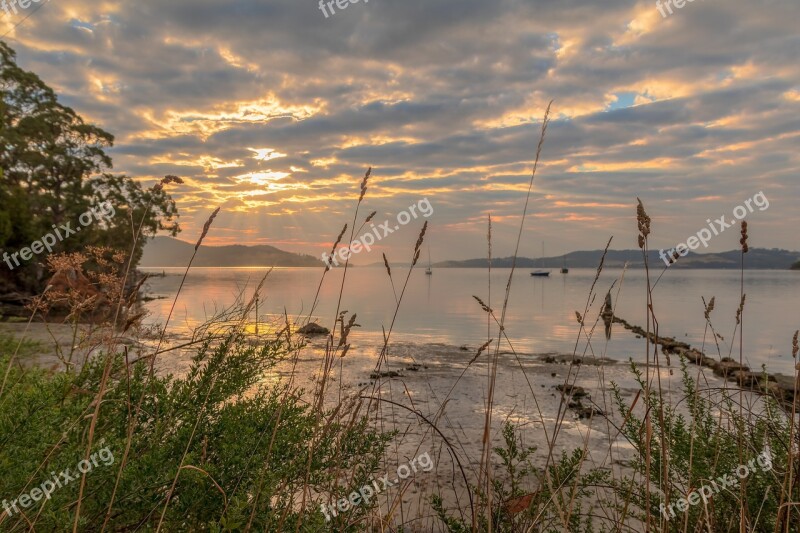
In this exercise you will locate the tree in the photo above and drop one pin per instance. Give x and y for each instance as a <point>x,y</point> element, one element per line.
<point>45,147</point>
<point>151,209</point>
<point>53,169</point>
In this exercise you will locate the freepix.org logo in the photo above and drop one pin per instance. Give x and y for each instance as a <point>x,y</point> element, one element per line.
<point>722,483</point>
<point>104,457</point>
<point>59,233</point>
<point>13,7</point>
<point>367,240</point>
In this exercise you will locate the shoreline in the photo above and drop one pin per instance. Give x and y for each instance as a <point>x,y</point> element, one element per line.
<point>779,386</point>
<point>435,380</point>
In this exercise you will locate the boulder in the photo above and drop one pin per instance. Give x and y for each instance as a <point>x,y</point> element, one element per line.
<point>572,390</point>
<point>786,386</point>
<point>692,355</point>
<point>589,412</point>
<point>727,366</point>
<point>313,328</point>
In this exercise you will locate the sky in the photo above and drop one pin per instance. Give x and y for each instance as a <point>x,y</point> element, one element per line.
<point>273,111</point>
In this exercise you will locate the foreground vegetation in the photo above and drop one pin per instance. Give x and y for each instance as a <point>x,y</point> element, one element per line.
<point>223,449</point>
<point>235,449</point>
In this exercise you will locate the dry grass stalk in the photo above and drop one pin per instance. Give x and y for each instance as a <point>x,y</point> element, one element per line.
<point>486,453</point>
<point>151,371</point>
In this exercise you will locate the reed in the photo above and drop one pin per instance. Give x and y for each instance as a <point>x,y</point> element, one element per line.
<point>220,449</point>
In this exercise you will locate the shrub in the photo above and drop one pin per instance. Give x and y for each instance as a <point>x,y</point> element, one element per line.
<point>245,442</point>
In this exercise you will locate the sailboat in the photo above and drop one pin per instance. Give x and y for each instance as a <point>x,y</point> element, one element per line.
<point>564,269</point>
<point>541,273</point>
<point>429,270</point>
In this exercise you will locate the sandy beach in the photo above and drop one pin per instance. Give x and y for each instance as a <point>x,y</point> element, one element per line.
<point>436,386</point>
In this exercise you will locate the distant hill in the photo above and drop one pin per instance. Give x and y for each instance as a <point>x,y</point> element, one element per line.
<point>756,258</point>
<point>169,252</point>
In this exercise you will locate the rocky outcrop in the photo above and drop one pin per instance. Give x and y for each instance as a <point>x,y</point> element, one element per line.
<point>781,387</point>
<point>575,397</point>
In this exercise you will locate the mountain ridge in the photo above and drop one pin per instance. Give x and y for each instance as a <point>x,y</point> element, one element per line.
<point>756,258</point>
<point>171,252</point>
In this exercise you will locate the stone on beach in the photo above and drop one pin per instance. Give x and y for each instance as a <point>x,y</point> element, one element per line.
<point>313,329</point>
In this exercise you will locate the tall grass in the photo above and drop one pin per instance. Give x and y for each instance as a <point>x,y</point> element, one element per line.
<point>222,449</point>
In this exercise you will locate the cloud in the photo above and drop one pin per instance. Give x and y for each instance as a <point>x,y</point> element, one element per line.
<point>274,112</point>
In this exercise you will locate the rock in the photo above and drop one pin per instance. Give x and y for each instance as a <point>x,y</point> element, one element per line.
<point>572,390</point>
<point>668,348</point>
<point>750,380</point>
<point>781,387</point>
<point>671,345</point>
<point>709,362</point>
<point>695,356</point>
<point>313,328</point>
<point>727,366</point>
<point>588,412</point>
<point>385,374</point>
<point>775,390</point>
<point>744,378</point>
<point>786,385</point>
<point>464,348</point>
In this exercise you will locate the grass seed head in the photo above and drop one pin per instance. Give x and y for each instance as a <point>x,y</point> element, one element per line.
<point>421,237</point>
<point>480,351</point>
<point>643,222</point>
<point>485,307</point>
<point>364,184</point>
<point>709,307</point>
<point>740,310</point>
<point>386,263</point>
<point>206,227</point>
<point>333,249</point>
<point>743,240</point>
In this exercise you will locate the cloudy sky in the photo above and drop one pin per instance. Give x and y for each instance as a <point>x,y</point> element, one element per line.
<point>273,112</point>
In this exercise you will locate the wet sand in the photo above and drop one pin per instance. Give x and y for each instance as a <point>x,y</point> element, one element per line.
<point>430,383</point>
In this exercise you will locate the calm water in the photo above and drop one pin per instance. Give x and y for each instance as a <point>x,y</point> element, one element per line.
<point>541,311</point>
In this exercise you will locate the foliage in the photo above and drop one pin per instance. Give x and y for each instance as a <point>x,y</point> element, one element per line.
<point>561,486</point>
<point>53,170</point>
<point>247,439</point>
<point>703,446</point>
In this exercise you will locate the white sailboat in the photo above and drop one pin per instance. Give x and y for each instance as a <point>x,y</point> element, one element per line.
<point>429,270</point>
<point>541,273</point>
